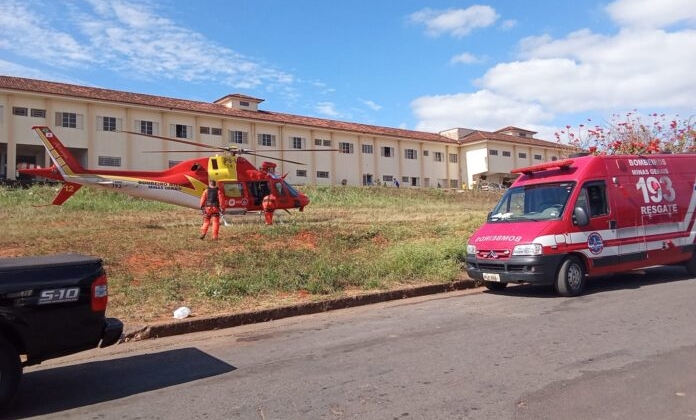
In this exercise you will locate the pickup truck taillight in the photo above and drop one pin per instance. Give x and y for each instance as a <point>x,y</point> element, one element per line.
<point>100,294</point>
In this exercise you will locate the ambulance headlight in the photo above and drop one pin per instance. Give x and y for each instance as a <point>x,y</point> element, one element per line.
<point>471,249</point>
<point>527,249</point>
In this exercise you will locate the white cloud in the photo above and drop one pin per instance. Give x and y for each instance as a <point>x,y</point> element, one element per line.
<point>508,24</point>
<point>370,104</point>
<point>651,13</point>
<point>456,22</point>
<point>127,37</point>
<point>13,69</point>
<point>465,58</point>
<point>17,22</point>
<point>483,110</point>
<point>584,71</point>
<point>328,109</point>
<point>639,67</point>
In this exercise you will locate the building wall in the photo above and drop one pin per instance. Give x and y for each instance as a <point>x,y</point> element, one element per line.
<point>477,162</point>
<point>412,162</point>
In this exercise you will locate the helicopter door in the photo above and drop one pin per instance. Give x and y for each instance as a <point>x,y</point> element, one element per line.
<point>257,191</point>
<point>234,194</point>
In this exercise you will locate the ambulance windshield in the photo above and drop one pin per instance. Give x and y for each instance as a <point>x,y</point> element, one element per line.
<point>532,202</point>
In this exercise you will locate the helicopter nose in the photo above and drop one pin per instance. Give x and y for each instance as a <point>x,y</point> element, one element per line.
<point>304,200</point>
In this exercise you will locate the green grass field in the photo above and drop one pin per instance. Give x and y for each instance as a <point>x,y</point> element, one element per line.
<point>348,240</point>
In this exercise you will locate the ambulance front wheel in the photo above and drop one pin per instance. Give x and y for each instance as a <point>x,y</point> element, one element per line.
<point>494,285</point>
<point>571,277</point>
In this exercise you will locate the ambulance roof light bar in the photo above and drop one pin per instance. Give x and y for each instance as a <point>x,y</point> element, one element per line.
<point>563,165</point>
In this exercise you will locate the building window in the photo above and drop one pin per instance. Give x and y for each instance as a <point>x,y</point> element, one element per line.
<point>344,147</point>
<point>38,113</point>
<point>453,158</point>
<point>173,163</point>
<point>454,183</point>
<point>322,142</point>
<point>268,140</point>
<point>437,156</point>
<point>69,120</point>
<point>387,178</point>
<point>108,124</point>
<point>239,137</point>
<point>493,152</point>
<point>216,131</point>
<point>20,111</point>
<point>147,127</point>
<point>297,143</point>
<point>367,148</point>
<point>506,154</point>
<point>387,151</point>
<point>426,153</point>
<point>522,155</point>
<point>205,130</point>
<point>181,131</point>
<point>322,174</point>
<point>244,103</point>
<point>410,154</point>
<point>109,161</point>
<point>537,157</point>
<point>301,173</point>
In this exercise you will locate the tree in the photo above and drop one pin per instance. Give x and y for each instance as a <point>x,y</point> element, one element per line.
<point>631,135</point>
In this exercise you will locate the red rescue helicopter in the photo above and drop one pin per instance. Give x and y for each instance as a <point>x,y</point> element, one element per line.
<point>243,185</point>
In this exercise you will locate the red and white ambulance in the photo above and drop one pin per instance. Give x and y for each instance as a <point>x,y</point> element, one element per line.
<point>563,221</point>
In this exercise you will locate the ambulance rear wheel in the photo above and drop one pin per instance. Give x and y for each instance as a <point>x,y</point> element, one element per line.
<point>571,277</point>
<point>494,285</point>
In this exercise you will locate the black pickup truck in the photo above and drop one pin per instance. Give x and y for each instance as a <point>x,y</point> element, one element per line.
<point>50,306</point>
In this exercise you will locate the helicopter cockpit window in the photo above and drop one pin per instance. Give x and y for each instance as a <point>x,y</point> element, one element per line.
<point>279,188</point>
<point>293,192</point>
<point>233,189</point>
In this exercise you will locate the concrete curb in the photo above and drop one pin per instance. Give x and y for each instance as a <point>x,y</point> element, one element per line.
<point>226,321</point>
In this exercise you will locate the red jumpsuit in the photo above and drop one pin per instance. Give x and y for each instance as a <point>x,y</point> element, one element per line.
<point>269,205</point>
<point>212,206</point>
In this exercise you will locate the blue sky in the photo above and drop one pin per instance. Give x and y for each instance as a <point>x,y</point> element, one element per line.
<point>421,65</point>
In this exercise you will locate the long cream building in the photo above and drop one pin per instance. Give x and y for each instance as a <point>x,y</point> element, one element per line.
<point>91,123</point>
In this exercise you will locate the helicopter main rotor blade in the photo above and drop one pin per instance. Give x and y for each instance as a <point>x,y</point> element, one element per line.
<point>173,151</point>
<point>276,158</point>
<point>231,149</point>
<point>190,143</point>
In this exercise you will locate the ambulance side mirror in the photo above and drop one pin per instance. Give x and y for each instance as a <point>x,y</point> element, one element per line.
<point>580,217</point>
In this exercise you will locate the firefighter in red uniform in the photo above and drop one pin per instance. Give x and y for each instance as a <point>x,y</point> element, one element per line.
<point>212,206</point>
<point>269,205</point>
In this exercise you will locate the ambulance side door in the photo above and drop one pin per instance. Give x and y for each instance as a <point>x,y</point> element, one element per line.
<point>594,198</point>
<point>630,229</point>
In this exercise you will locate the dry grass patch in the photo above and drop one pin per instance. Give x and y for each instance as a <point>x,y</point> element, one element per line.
<point>350,240</point>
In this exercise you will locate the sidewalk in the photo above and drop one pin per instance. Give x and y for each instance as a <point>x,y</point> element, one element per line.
<point>190,325</point>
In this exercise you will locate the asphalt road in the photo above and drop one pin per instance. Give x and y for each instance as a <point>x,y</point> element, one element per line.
<point>624,350</point>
